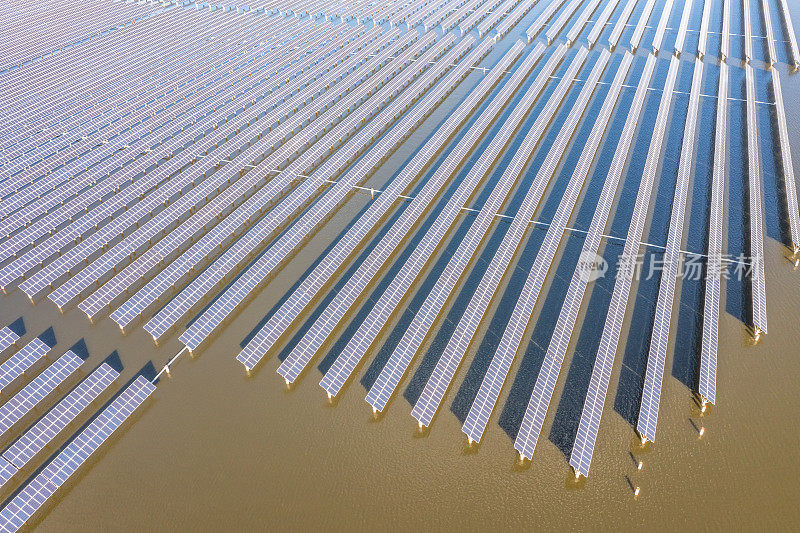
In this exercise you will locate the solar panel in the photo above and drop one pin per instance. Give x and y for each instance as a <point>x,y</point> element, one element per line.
<point>787,21</point>
<point>679,41</point>
<point>755,197</point>
<point>769,36</point>
<point>638,31</point>
<point>7,338</point>
<point>22,361</point>
<point>7,471</point>
<point>748,31</point>
<point>60,416</point>
<point>34,392</point>
<point>786,161</point>
<point>656,358</point>
<point>702,42</point>
<point>707,386</point>
<point>725,39</point>
<point>29,500</point>
<point>347,245</point>
<point>662,25</point>
<point>485,400</point>
<point>583,447</point>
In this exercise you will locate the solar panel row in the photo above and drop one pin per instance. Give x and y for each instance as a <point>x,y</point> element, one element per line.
<point>66,128</point>
<point>403,14</point>
<point>95,128</point>
<point>42,433</point>
<point>32,18</point>
<point>496,16</point>
<point>23,137</point>
<point>50,112</point>
<point>442,376</point>
<point>475,18</point>
<point>702,42</point>
<point>435,19</point>
<point>467,327</point>
<point>707,383</point>
<point>195,172</point>
<point>682,28</point>
<point>725,44</point>
<point>7,338</point>
<point>566,14</point>
<point>22,361</point>
<point>282,319</point>
<point>769,36</point>
<point>485,400</point>
<point>273,257</point>
<point>583,447</point>
<point>415,18</point>
<point>657,355</point>
<point>513,18</point>
<point>37,390</point>
<point>35,494</point>
<point>541,21</point>
<point>794,60</point>
<point>787,165</point>
<point>454,18</point>
<point>201,250</point>
<point>577,26</point>
<point>43,30</point>
<point>110,95</point>
<point>756,214</point>
<point>747,26</point>
<point>272,55</point>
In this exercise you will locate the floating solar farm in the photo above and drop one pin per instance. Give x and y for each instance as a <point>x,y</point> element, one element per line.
<point>162,163</point>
